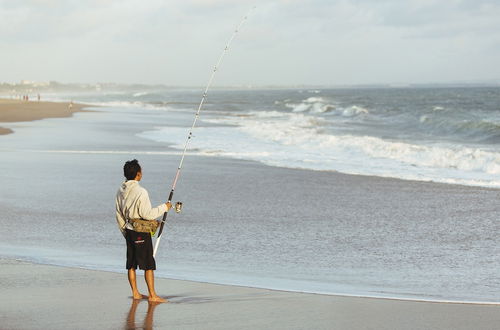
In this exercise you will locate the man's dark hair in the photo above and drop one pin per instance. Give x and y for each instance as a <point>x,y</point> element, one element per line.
<point>131,168</point>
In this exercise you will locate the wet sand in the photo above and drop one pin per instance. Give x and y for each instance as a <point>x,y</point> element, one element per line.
<point>49,297</point>
<point>4,131</point>
<point>17,111</point>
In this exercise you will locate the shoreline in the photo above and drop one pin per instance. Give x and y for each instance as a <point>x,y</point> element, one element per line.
<point>13,111</point>
<point>215,306</point>
<point>270,288</point>
<point>169,151</point>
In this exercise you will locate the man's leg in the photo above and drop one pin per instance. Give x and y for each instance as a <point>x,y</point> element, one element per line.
<point>133,284</point>
<point>132,265</point>
<point>150,281</point>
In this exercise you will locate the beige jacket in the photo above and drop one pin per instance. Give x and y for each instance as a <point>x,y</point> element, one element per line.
<point>132,202</point>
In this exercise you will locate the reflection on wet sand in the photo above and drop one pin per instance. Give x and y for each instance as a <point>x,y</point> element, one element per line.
<point>148,319</point>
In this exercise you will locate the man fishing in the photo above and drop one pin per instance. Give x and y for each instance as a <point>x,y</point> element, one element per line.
<point>136,220</point>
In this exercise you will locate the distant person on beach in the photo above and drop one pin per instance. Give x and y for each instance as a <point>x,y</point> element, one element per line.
<point>132,203</point>
<point>70,105</point>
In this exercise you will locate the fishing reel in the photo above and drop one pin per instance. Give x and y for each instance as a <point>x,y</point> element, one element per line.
<point>178,207</point>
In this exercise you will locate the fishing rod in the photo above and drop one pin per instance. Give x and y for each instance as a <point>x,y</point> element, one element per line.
<point>178,205</point>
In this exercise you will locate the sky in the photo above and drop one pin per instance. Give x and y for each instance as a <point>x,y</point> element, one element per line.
<point>283,42</point>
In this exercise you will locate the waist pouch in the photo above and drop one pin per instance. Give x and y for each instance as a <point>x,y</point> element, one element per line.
<point>144,226</point>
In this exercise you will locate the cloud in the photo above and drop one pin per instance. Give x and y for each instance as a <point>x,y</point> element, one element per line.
<point>283,42</point>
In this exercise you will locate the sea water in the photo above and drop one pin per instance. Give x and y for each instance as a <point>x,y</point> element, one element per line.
<point>449,135</point>
<point>237,229</point>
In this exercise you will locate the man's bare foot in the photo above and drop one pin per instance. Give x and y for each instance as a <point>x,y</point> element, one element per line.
<point>157,299</point>
<point>139,296</point>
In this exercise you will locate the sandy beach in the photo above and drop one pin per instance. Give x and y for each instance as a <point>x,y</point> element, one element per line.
<point>18,111</point>
<point>48,297</point>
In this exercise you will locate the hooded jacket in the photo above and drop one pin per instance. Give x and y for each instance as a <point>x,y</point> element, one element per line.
<point>132,202</point>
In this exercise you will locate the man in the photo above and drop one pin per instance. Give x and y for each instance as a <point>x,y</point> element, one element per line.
<point>132,202</point>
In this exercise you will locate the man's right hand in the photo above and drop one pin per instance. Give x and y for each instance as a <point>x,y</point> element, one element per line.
<point>169,205</point>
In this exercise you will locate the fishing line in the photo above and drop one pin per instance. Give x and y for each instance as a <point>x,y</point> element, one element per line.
<point>190,135</point>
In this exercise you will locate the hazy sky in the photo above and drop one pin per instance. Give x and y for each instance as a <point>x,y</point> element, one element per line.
<point>284,42</point>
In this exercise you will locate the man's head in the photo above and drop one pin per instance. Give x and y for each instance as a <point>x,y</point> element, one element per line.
<point>132,170</point>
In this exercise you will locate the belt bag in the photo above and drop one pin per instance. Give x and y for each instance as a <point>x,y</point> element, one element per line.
<point>144,226</point>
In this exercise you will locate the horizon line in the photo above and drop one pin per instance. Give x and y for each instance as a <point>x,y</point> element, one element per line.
<point>52,83</point>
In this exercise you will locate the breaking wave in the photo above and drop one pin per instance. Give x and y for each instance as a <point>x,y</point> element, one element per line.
<point>312,105</point>
<point>446,135</point>
<point>320,105</point>
<point>139,94</point>
<point>298,140</point>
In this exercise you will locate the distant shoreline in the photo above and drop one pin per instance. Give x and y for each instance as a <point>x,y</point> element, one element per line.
<point>19,111</point>
<point>55,87</point>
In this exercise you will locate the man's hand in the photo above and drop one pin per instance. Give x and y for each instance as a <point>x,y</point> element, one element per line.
<point>169,205</point>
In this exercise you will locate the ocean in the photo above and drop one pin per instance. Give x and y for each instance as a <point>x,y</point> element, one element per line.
<point>264,203</point>
<point>449,135</point>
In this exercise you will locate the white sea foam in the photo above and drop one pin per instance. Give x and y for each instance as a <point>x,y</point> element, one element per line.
<point>122,104</point>
<point>319,105</point>
<point>314,99</point>
<point>131,104</point>
<point>267,114</point>
<point>138,94</point>
<point>354,111</point>
<point>297,140</point>
<point>312,104</point>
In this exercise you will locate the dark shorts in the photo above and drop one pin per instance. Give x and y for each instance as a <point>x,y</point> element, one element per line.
<point>139,251</point>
